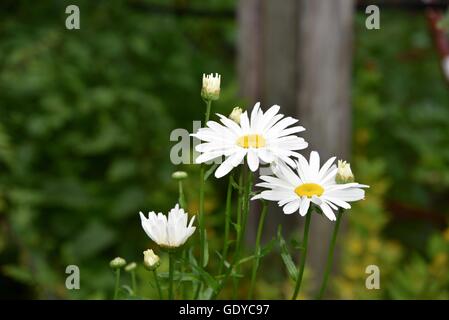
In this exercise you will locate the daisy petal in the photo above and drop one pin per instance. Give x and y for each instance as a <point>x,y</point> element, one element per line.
<point>305,204</point>
<point>328,211</point>
<point>253,160</point>
<point>224,168</point>
<point>291,207</point>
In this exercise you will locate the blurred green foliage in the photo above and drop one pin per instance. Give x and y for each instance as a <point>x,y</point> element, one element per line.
<point>85,122</point>
<point>401,141</point>
<point>443,24</point>
<point>401,102</point>
<point>85,119</point>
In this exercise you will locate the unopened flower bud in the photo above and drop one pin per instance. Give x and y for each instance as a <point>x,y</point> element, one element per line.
<point>117,263</point>
<point>211,86</point>
<point>344,173</point>
<point>130,267</point>
<point>179,175</point>
<point>150,260</point>
<point>236,114</point>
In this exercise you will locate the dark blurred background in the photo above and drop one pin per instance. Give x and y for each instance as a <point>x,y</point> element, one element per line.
<point>86,116</point>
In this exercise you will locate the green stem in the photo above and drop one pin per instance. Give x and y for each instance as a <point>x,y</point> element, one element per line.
<point>117,283</point>
<point>183,204</point>
<point>244,212</point>
<point>249,186</point>
<point>330,256</point>
<point>234,288</point>
<point>257,250</point>
<point>240,205</point>
<point>184,269</point>
<point>197,291</point>
<point>227,224</point>
<point>201,205</point>
<point>241,230</point>
<point>133,281</point>
<point>156,281</point>
<point>171,267</point>
<point>244,222</point>
<point>305,238</point>
<point>240,198</point>
<point>181,199</point>
<point>207,115</point>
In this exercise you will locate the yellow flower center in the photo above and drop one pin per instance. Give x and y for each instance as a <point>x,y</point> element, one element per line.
<point>309,190</point>
<point>251,141</point>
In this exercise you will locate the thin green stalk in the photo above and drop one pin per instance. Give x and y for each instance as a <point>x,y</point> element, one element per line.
<point>117,283</point>
<point>224,253</point>
<point>245,208</point>
<point>240,199</point>
<point>330,256</point>
<point>201,205</point>
<point>171,270</point>
<point>181,199</point>
<point>184,269</point>
<point>207,115</point>
<point>182,202</point>
<point>257,250</point>
<point>240,205</point>
<point>197,291</point>
<point>244,222</point>
<point>245,211</point>
<point>133,281</point>
<point>305,238</point>
<point>234,288</point>
<point>156,281</point>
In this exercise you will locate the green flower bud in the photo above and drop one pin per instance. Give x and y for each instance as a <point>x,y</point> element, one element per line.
<point>236,114</point>
<point>344,173</point>
<point>151,261</point>
<point>179,175</point>
<point>211,87</point>
<point>117,263</point>
<point>130,267</point>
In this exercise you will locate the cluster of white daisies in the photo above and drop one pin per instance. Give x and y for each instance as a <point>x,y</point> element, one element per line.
<point>263,138</point>
<point>270,138</point>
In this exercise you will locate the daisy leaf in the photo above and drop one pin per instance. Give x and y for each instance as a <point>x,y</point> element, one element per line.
<point>236,227</point>
<point>268,247</point>
<point>296,244</point>
<point>206,250</point>
<point>208,278</point>
<point>226,263</point>
<point>209,172</point>
<point>286,257</point>
<point>235,185</point>
<point>206,294</point>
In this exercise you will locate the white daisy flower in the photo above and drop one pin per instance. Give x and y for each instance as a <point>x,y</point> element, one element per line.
<point>295,191</point>
<point>168,233</point>
<point>265,137</point>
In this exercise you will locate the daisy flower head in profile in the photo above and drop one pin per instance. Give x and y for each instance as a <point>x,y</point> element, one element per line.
<point>171,232</point>
<point>262,136</point>
<point>211,86</point>
<point>309,183</point>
